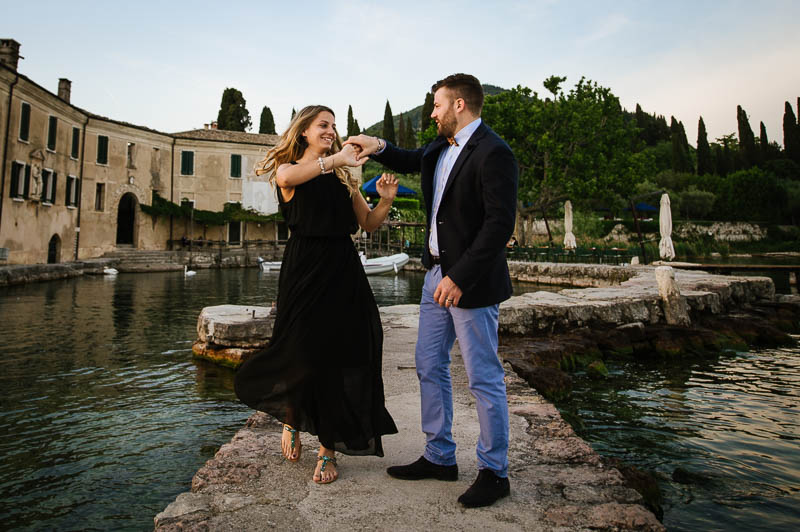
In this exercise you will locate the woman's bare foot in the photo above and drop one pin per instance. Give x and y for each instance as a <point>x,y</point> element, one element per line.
<point>290,444</point>
<point>326,472</point>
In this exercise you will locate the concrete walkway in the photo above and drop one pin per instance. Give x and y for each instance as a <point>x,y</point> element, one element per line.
<point>557,481</point>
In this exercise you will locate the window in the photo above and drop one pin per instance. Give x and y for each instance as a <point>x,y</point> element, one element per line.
<point>234,232</point>
<point>25,121</point>
<point>187,162</point>
<point>48,186</point>
<point>99,196</point>
<point>236,165</point>
<point>71,199</point>
<point>52,133</point>
<point>102,149</point>
<point>20,179</point>
<point>76,142</point>
<point>131,155</point>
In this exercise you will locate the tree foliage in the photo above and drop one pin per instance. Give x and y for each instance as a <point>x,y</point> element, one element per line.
<point>681,160</point>
<point>425,114</point>
<point>791,134</point>
<point>747,141</point>
<point>388,124</point>
<point>401,131</point>
<point>574,144</point>
<point>233,114</point>
<point>267,123</point>
<point>705,164</point>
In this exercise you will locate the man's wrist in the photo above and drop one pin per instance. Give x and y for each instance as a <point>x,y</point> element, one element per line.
<point>381,145</point>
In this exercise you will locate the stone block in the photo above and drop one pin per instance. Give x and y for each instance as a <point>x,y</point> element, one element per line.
<point>236,326</point>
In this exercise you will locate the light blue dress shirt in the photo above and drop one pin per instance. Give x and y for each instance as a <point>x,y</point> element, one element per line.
<point>447,158</point>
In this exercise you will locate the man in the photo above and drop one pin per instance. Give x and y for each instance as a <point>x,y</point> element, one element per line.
<point>469,182</point>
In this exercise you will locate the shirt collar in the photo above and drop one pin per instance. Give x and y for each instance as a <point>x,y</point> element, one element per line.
<point>466,132</point>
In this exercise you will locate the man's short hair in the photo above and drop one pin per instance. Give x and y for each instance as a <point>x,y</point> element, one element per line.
<point>466,87</point>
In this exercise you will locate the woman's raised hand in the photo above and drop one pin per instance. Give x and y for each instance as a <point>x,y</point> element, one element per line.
<point>349,156</point>
<point>387,186</point>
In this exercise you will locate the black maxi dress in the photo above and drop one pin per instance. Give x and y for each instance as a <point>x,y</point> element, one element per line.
<point>321,372</point>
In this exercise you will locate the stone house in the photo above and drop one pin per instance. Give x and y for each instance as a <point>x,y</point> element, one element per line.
<point>71,181</point>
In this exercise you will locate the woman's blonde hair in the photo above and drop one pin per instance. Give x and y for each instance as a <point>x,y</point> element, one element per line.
<point>292,145</point>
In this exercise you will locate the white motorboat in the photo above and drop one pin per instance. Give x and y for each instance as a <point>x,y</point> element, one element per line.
<point>375,266</point>
<point>392,263</point>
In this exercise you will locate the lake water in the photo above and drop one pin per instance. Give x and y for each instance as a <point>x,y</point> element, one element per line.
<point>104,414</point>
<point>730,422</point>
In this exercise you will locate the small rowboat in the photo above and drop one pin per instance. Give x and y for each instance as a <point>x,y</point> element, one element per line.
<point>375,266</point>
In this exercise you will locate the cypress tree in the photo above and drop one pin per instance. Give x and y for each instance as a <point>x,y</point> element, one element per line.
<point>704,163</point>
<point>747,141</point>
<point>680,147</point>
<point>411,136</point>
<point>791,134</point>
<point>233,114</point>
<point>401,132</point>
<point>388,125</point>
<point>427,109</point>
<point>267,123</point>
<point>293,113</point>
<point>763,142</point>
<point>351,130</point>
<point>356,128</point>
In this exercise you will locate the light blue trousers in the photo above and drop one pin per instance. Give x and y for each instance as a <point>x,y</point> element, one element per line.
<point>476,330</point>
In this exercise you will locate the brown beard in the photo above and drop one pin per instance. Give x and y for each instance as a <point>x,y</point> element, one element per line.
<point>446,126</point>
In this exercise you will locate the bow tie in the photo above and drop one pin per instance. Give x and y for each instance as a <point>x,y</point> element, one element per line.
<point>452,141</point>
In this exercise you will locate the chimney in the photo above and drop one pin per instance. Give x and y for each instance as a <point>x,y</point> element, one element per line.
<point>64,89</point>
<point>214,124</point>
<point>205,126</point>
<point>9,53</point>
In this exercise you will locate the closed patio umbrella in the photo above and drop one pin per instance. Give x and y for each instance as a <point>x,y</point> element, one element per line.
<point>569,238</point>
<point>665,247</point>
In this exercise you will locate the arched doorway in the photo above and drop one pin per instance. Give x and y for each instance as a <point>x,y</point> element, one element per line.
<point>54,250</point>
<point>126,219</point>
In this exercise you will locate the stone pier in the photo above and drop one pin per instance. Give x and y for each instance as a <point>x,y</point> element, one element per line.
<point>557,481</point>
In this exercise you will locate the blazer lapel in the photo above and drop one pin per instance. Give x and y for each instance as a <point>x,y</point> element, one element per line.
<point>472,143</point>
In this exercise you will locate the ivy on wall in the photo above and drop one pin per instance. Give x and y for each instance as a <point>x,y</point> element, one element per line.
<point>231,212</point>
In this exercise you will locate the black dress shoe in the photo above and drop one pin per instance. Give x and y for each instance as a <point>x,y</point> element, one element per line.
<point>486,489</point>
<point>422,469</point>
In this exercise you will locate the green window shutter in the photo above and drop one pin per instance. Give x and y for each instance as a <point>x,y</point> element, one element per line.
<point>25,121</point>
<point>27,181</point>
<point>236,165</point>
<point>68,191</point>
<point>46,177</point>
<point>102,149</point>
<point>75,142</point>
<point>187,163</point>
<point>15,168</point>
<point>52,132</point>
<point>53,189</point>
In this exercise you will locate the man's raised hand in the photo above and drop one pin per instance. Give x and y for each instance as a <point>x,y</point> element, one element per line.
<point>365,145</point>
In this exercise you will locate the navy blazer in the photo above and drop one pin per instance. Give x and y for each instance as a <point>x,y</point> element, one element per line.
<point>476,214</point>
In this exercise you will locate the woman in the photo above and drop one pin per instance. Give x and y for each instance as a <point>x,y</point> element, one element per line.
<point>321,372</point>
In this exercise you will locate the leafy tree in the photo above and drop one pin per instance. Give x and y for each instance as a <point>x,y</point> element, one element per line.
<point>753,195</point>
<point>425,114</point>
<point>704,163</point>
<point>791,134</point>
<point>352,124</point>
<point>388,124</point>
<point>233,114</point>
<point>401,131</point>
<point>575,144</point>
<point>747,141</point>
<point>267,124</point>
<point>681,161</point>
<point>696,203</point>
<point>293,113</point>
<point>652,129</point>
<point>356,128</point>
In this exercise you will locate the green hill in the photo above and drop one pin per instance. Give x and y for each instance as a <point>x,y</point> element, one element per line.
<point>376,129</point>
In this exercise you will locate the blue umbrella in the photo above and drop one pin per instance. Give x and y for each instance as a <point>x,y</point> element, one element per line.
<point>369,188</point>
<point>643,207</point>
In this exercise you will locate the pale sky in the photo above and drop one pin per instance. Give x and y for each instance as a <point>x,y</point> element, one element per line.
<point>165,64</point>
